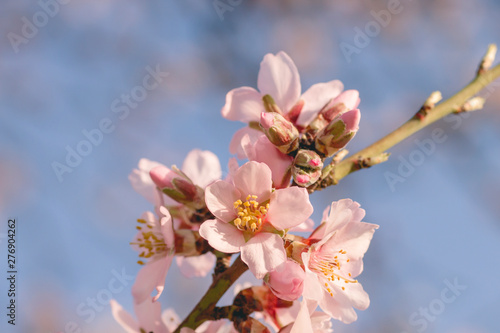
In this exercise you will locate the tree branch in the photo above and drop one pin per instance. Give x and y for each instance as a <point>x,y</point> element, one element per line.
<point>203,311</point>
<point>336,172</point>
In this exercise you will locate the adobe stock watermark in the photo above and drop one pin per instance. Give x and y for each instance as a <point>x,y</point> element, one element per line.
<point>363,37</point>
<point>222,6</point>
<point>121,107</point>
<point>420,319</point>
<point>88,309</point>
<point>30,27</point>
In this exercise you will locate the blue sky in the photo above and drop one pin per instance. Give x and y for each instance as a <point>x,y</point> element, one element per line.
<point>439,225</point>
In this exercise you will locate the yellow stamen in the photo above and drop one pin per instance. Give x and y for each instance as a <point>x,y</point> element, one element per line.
<point>250,214</point>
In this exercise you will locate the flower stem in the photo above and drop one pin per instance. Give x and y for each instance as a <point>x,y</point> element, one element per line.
<point>203,311</point>
<point>416,123</point>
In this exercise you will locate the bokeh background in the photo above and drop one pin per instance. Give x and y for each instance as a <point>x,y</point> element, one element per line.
<point>440,224</point>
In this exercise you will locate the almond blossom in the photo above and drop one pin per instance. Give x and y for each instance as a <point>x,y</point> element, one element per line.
<point>285,116</point>
<point>335,259</point>
<point>251,217</point>
<point>202,168</point>
<point>155,241</point>
<point>279,78</point>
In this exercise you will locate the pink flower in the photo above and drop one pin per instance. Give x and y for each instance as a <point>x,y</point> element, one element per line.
<point>155,241</point>
<point>279,78</point>
<point>333,263</point>
<point>286,281</point>
<point>202,167</point>
<point>148,314</point>
<point>250,217</point>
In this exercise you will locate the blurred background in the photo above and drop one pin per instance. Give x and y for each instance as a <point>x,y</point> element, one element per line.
<point>64,65</point>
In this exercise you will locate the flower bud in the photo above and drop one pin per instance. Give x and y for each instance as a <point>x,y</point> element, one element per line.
<point>347,100</point>
<point>338,133</point>
<point>280,131</point>
<point>287,281</point>
<point>307,167</point>
<point>178,186</point>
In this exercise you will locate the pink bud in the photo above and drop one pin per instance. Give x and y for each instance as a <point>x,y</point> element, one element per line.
<point>281,132</point>
<point>178,186</point>
<point>351,120</point>
<point>162,176</point>
<point>266,120</point>
<point>306,168</point>
<point>287,281</point>
<point>337,133</point>
<point>348,100</point>
<point>303,179</point>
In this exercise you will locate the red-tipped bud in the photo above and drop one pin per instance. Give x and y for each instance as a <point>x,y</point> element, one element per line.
<point>307,167</point>
<point>178,186</point>
<point>282,133</point>
<point>347,100</point>
<point>338,133</point>
<point>287,281</point>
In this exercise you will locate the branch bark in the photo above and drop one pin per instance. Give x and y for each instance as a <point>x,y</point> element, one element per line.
<point>204,310</point>
<point>416,123</point>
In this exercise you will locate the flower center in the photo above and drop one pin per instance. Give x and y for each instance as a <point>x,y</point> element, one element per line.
<point>329,266</point>
<point>250,214</point>
<point>151,243</point>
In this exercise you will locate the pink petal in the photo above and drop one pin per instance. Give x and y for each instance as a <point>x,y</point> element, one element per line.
<point>198,266</point>
<point>287,316</point>
<point>263,253</point>
<point>278,77</point>
<point>141,181</point>
<point>289,207</point>
<point>340,305</point>
<point>243,104</point>
<point>351,119</point>
<point>306,226</point>
<point>149,316</point>
<point>222,236</point>
<point>303,322</point>
<point>236,145</point>
<point>253,178</point>
<point>151,276</point>
<point>353,238</point>
<point>312,286</point>
<point>232,166</point>
<point>187,330</point>
<point>123,317</point>
<point>341,213</point>
<point>220,198</point>
<point>166,228</point>
<point>316,97</point>
<point>350,98</point>
<point>202,167</point>
<point>279,163</point>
